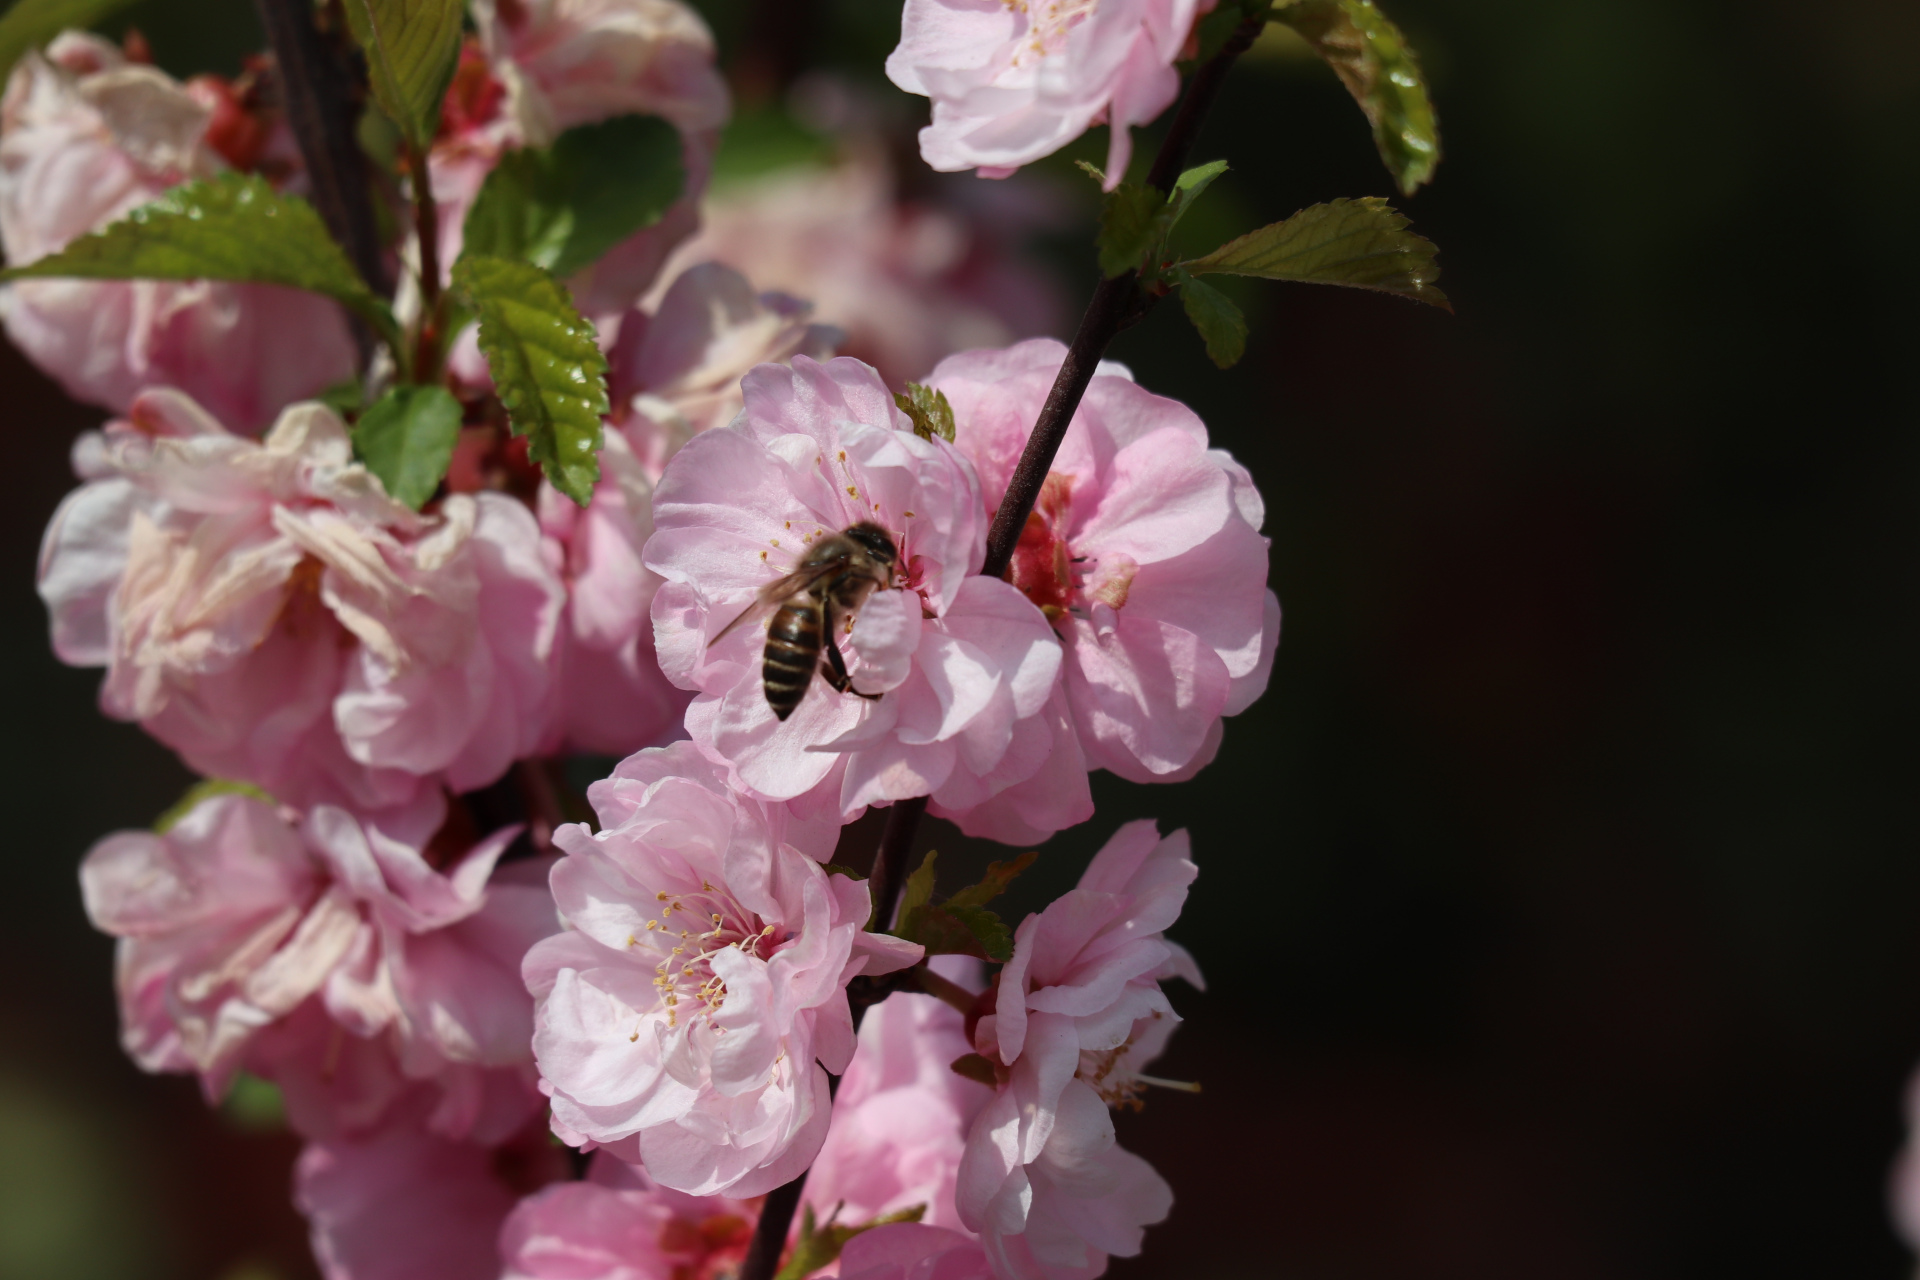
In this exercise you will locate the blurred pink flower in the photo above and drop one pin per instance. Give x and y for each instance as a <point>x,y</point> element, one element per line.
<point>963,664</point>
<point>620,1225</point>
<point>329,955</point>
<point>267,611</point>
<point>703,973</point>
<point>913,1251</point>
<point>1144,551</point>
<point>407,1204</point>
<point>1015,82</point>
<point>86,137</point>
<point>908,282</point>
<point>1077,1012</point>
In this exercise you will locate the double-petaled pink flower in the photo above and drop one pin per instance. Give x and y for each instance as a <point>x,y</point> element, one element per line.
<point>265,609</point>
<point>1144,551</point>
<point>1077,1013</point>
<point>951,672</point>
<point>85,138</point>
<point>1014,82</point>
<point>690,1014</point>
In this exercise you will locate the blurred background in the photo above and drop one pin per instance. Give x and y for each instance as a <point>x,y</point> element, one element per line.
<point>1558,902</point>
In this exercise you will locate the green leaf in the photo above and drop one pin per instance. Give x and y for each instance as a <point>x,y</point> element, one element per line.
<point>254,1105</point>
<point>946,930</point>
<point>203,790</point>
<point>1188,186</point>
<point>1380,70</point>
<point>412,48</point>
<point>1219,321</point>
<point>838,869</point>
<point>562,207</point>
<point>994,883</point>
<point>931,414</point>
<point>1132,224</point>
<point>31,23</point>
<point>407,439</point>
<point>918,891</point>
<point>233,227</point>
<point>546,365</point>
<point>820,1246</point>
<point>1361,243</point>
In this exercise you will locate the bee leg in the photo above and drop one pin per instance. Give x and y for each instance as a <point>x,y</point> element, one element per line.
<point>836,672</point>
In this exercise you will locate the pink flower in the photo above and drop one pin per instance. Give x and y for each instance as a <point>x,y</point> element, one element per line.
<point>1144,551</point>
<point>1077,1013</point>
<point>913,1251</point>
<point>1905,1183</point>
<point>962,666</point>
<point>329,955</point>
<point>407,1204</point>
<point>86,137</point>
<point>703,973</point>
<point>673,374</point>
<point>909,282</point>
<point>619,1225</point>
<point>1012,83</point>
<point>267,611</point>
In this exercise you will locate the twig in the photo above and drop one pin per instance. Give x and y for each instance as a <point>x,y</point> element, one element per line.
<point>770,1233</point>
<point>426,221</point>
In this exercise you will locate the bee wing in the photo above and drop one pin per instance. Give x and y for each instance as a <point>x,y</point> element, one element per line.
<point>780,589</point>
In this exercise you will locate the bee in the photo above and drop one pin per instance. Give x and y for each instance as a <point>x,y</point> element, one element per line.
<point>830,585</point>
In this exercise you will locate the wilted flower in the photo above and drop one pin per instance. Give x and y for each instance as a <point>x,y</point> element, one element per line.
<point>686,1017</point>
<point>1012,83</point>
<point>86,137</point>
<point>1077,1013</point>
<point>1144,551</point>
<point>331,955</point>
<point>264,608</point>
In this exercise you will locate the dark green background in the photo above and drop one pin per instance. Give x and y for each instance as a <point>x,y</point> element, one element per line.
<point>1559,900</point>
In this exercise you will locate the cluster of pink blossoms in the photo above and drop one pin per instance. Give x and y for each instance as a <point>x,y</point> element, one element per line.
<point>377,903</point>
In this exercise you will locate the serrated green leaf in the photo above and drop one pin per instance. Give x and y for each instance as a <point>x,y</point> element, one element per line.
<point>564,206</point>
<point>1132,224</point>
<point>1187,188</point>
<point>407,439</point>
<point>1380,70</point>
<point>412,48</point>
<point>200,792</point>
<point>234,227</point>
<point>918,891</point>
<point>928,409</point>
<point>1361,243</point>
<point>994,883</point>
<point>546,365</point>
<point>820,1245</point>
<point>1222,327</point>
<point>987,930</point>
<point>1092,170</point>
<point>31,23</point>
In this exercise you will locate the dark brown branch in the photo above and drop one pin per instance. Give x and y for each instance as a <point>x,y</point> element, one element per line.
<point>426,221</point>
<point>317,82</point>
<point>770,1233</point>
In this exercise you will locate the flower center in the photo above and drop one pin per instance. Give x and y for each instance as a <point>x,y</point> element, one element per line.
<point>1048,572</point>
<point>1113,1077</point>
<point>1048,22</point>
<point>691,929</point>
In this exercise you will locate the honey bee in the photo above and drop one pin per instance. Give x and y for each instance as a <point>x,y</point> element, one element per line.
<point>830,585</point>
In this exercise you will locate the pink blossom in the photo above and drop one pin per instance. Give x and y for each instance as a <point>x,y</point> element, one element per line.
<point>620,1225</point>
<point>962,665</point>
<point>673,374</point>
<point>1905,1183</point>
<point>329,955</point>
<point>908,282</point>
<point>86,137</point>
<point>267,611</point>
<point>408,1204</point>
<point>1012,83</point>
<point>703,973</point>
<point>1144,551</point>
<point>913,1251</point>
<point>1077,1013</point>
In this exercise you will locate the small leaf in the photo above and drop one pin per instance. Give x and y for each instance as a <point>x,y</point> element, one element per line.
<point>546,365</point>
<point>1131,225</point>
<point>820,1245</point>
<point>994,883</point>
<point>254,1105</point>
<point>201,791</point>
<point>974,1066</point>
<point>1188,186</point>
<point>412,48</point>
<point>918,891</point>
<point>1362,243</point>
<point>31,23</point>
<point>931,414</point>
<point>958,931</point>
<point>1219,321</point>
<point>1378,67</point>
<point>563,207</point>
<point>407,439</point>
<point>233,227</point>
<point>836,869</point>
<point>1092,171</point>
